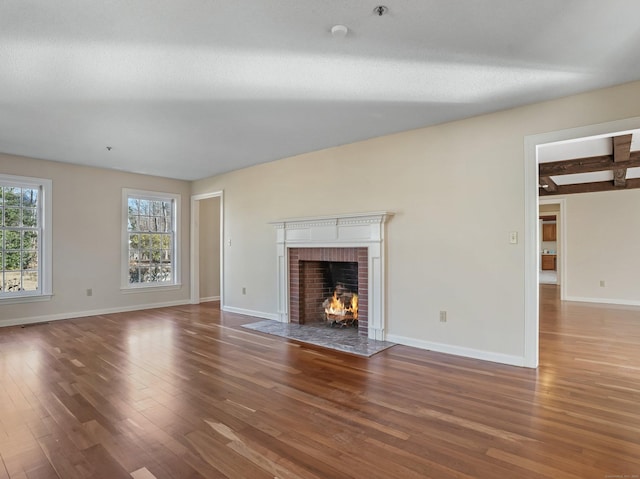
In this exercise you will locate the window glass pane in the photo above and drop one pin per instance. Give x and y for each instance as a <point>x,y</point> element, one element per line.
<point>166,273</point>
<point>11,196</point>
<point>29,217</point>
<point>29,240</point>
<point>11,217</point>
<point>30,260</point>
<point>133,222</point>
<point>12,282</point>
<point>144,207</point>
<point>30,281</point>
<point>143,223</point>
<point>156,256</point>
<point>145,241</point>
<point>134,275</point>
<point>144,274</point>
<point>134,256</point>
<point>29,197</point>
<point>132,205</point>
<point>12,239</point>
<point>12,261</point>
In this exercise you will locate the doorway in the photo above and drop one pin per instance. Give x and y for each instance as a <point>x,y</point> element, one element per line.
<point>551,243</point>
<point>532,225</point>
<point>207,257</point>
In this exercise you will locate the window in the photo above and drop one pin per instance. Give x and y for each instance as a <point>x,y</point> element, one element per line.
<point>150,239</point>
<point>25,239</point>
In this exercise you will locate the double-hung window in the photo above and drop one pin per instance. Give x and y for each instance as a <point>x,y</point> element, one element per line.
<point>150,236</point>
<point>25,238</point>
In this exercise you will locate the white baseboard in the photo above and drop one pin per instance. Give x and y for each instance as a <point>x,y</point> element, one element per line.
<point>624,302</point>
<point>83,314</point>
<point>209,299</point>
<point>249,312</point>
<point>458,350</point>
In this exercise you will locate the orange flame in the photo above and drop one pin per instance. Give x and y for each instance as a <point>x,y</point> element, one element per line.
<point>338,308</point>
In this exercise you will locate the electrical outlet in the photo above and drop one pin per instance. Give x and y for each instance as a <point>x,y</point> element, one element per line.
<point>602,284</point>
<point>244,290</point>
<point>443,316</point>
<point>89,292</point>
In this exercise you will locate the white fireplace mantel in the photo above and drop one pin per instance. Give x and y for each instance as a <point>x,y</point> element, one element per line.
<point>337,231</point>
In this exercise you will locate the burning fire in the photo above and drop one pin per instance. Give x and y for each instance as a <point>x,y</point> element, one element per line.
<point>338,308</point>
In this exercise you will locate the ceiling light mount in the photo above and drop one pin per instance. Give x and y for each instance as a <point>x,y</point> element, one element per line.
<point>339,31</point>
<point>380,10</point>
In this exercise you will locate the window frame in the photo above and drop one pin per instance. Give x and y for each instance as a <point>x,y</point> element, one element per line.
<point>125,285</point>
<point>45,235</point>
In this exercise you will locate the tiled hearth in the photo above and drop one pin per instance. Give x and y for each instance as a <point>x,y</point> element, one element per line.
<point>341,238</point>
<point>347,341</point>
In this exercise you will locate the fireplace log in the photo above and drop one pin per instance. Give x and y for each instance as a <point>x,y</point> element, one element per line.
<point>341,320</point>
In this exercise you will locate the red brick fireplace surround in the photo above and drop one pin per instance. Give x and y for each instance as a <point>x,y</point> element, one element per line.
<point>307,290</point>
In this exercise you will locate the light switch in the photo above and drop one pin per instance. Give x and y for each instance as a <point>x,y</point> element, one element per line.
<point>513,237</point>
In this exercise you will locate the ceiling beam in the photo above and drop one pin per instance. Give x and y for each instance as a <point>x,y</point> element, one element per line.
<point>596,186</point>
<point>621,155</point>
<point>586,165</point>
<point>622,148</point>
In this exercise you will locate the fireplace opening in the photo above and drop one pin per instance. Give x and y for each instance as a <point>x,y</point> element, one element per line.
<point>328,286</point>
<point>330,291</point>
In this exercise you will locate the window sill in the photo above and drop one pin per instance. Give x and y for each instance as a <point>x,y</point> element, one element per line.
<point>26,299</point>
<point>150,288</point>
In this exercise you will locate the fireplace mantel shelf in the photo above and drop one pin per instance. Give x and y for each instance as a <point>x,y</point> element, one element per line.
<point>337,231</point>
<point>333,230</point>
<point>353,218</point>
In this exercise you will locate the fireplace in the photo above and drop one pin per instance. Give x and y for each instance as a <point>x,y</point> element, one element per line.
<point>313,252</point>
<point>329,285</point>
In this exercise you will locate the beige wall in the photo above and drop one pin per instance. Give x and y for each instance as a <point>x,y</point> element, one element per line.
<point>457,190</point>
<point>87,211</point>
<point>209,257</point>
<point>603,234</point>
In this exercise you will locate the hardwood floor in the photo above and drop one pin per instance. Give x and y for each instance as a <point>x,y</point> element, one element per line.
<point>184,392</point>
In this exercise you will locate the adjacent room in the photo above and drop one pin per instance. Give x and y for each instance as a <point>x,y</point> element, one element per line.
<point>319,239</point>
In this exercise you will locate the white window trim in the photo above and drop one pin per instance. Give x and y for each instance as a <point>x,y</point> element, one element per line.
<point>45,248</point>
<point>127,287</point>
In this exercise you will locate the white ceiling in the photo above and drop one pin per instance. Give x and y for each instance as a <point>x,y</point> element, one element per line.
<point>192,88</point>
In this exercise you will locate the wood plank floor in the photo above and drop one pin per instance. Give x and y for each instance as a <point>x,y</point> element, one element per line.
<point>184,392</point>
